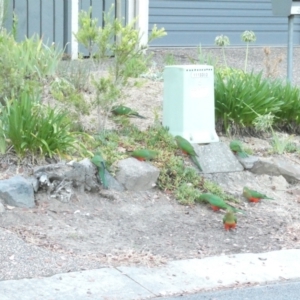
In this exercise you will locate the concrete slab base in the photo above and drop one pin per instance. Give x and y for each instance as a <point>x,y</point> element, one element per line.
<point>217,158</point>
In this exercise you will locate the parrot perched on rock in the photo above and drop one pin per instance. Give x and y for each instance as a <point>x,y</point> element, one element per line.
<point>237,148</point>
<point>254,196</point>
<point>187,148</point>
<point>216,202</point>
<point>99,162</point>
<point>229,220</point>
<point>143,154</point>
<point>121,110</point>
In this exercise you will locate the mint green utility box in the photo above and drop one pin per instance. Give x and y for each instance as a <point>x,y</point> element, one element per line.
<point>189,102</point>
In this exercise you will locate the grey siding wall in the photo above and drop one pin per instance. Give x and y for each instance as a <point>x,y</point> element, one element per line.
<point>47,18</point>
<point>191,22</point>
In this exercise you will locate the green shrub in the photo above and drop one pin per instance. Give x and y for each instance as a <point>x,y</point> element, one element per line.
<point>289,113</point>
<point>123,44</point>
<point>24,65</point>
<point>36,129</point>
<point>241,97</point>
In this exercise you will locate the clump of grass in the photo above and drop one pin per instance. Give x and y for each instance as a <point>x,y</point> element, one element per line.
<point>169,59</point>
<point>32,128</point>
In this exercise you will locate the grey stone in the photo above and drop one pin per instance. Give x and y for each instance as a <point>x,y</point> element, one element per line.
<point>113,183</point>
<point>17,191</point>
<point>81,175</point>
<point>2,208</point>
<point>34,182</point>
<point>91,184</point>
<point>217,158</point>
<point>276,166</point>
<point>247,162</point>
<point>136,175</point>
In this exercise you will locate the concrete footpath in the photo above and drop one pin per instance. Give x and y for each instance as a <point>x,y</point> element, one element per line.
<point>175,278</point>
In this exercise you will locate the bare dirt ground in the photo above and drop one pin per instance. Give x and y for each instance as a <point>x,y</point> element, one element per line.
<point>145,228</point>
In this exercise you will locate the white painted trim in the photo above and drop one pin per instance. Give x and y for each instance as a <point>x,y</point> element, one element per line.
<point>2,4</point>
<point>142,12</point>
<point>74,28</point>
<point>139,9</point>
<point>130,10</point>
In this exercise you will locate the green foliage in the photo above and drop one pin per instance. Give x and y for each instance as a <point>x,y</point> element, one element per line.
<point>248,37</point>
<point>186,194</point>
<point>203,58</point>
<point>282,144</point>
<point>36,129</point>
<point>240,99</point>
<point>88,30</point>
<point>122,42</point>
<point>222,41</point>
<point>63,91</point>
<point>184,182</point>
<point>24,65</point>
<point>251,101</point>
<point>77,73</point>
<point>169,59</point>
<point>289,112</point>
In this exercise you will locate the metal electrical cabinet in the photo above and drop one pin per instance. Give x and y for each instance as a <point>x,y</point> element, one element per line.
<point>189,104</point>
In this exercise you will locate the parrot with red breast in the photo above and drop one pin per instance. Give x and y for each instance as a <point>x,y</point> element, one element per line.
<point>229,220</point>
<point>254,196</point>
<point>186,147</point>
<point>216,202</point>
<point>143,154</point>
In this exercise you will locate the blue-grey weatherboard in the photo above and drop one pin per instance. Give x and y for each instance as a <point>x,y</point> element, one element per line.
<point>194,22</point>
<point>187,22</point>
<point>46,18</point>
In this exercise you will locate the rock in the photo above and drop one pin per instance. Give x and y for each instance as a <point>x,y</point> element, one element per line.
<point>216,158</point>
<point>2,208</point>
<point>17,191</point>
<point>247,162</point>
<point>276,166</point>
<point>136,175</point>
<point>34,182</point>
<point>81,175</point>
<point>91,184</point>
<point>112,183</point>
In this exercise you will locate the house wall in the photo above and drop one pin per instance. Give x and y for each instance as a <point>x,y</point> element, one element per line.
<point>46,18</point>
<point>192,22</point>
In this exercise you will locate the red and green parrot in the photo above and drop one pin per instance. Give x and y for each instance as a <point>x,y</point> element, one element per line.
<point>121,110</point>
<point>254,196</point>
<point>237,148</point>
<point>143,154</point>
<point>187,148</point>
<point>216,202</point>
<point>99,162</point>
<point>229,220</point>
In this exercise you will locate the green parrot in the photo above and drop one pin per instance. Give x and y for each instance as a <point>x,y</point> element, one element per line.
<point>216,202</point>
<point>99,162</point>
<point>237,147</point>
<point>121,110</point>
<point>143,154</point>
<point>254,196</point>
<point>188,149</point>
<point>229,220</point>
